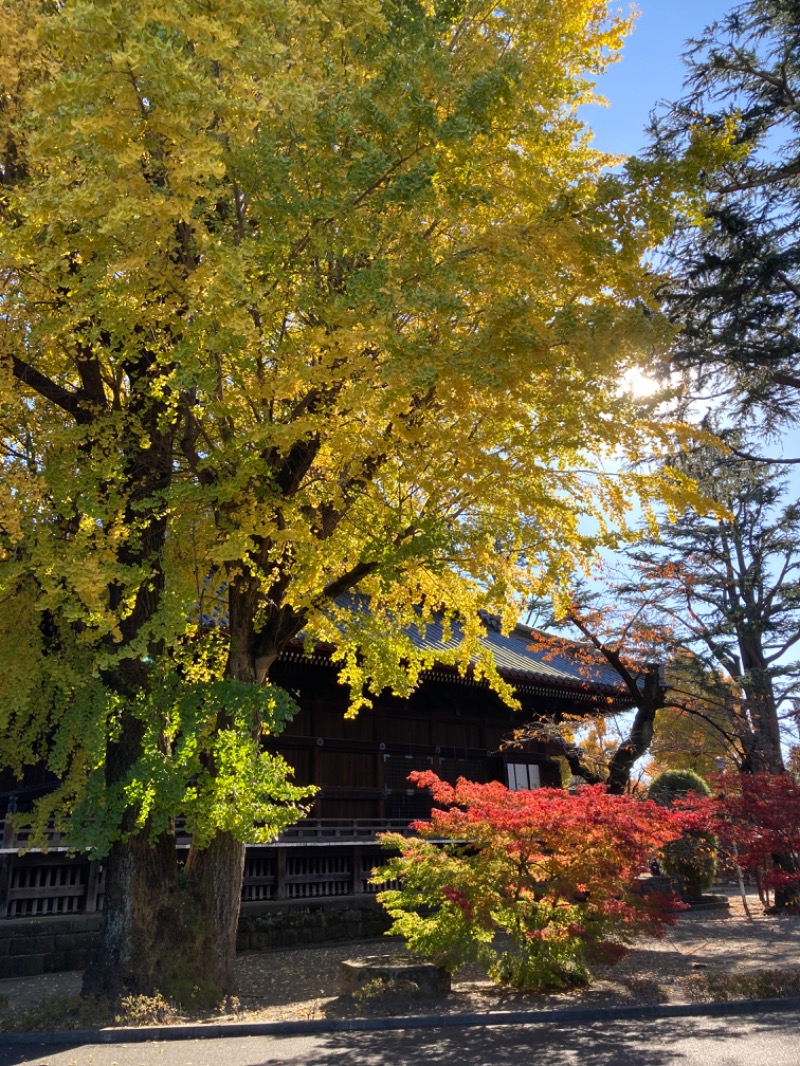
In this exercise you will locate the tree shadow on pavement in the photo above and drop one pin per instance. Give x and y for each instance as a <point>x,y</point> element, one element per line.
<point>656,1042</point>
<point>616,1043</point>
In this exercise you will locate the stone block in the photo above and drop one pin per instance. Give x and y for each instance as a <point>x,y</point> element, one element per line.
<point>56,961</point>
<point>21,945</point>
<point>22,965</point>
<point>396,970</point>
<point>652,884</point>
<point>78,958</point>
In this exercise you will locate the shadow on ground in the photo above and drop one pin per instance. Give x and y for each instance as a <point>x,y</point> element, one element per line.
<point>664,1042</point>
<point>598,1044</point>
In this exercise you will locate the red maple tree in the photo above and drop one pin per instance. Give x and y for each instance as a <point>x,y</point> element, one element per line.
<point>554,872</point>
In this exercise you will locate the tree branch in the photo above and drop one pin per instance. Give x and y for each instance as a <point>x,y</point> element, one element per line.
<point>76,404</point>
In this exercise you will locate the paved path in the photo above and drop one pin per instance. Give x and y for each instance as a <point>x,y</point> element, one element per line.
<point>765,1039</point>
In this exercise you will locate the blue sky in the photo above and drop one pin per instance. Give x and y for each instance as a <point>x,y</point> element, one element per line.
<point>650,69</point>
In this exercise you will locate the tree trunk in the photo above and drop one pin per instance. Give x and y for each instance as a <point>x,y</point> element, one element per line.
<point>140,926</point>
<point>765,755</point>
<point>162,933</point>
<point>215,873</point>
<point>785,898</point>
<point>650,698</point>
<point>215,876</point>
<point>141,931</point>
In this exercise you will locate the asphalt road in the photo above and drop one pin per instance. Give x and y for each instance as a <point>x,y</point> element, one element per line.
<point>763,1039</point>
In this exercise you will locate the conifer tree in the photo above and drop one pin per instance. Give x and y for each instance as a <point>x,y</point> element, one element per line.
<point>735,281</point>
<point>729,584</point>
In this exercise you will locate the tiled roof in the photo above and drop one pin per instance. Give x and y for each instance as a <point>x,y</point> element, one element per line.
<point>524,657</point>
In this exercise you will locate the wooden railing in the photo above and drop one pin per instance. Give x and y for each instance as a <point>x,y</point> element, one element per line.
<point>315,859</point>
<point>37,884</point>
<point>343,829</point>
<point>309,829</point>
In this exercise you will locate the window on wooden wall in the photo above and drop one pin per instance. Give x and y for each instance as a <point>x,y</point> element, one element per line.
<point>403,800</point>
<point>521,775</point>
<point>396,769</point>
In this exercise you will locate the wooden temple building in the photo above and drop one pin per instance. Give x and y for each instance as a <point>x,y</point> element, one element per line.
<point>451,724</point>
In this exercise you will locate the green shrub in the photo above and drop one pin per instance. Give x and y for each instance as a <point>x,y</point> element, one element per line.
<point>674,784</point>
<point>692,860</point>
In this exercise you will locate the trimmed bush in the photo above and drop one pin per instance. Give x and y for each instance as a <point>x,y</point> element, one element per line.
<point>675,784</point>
<point>692,860</point>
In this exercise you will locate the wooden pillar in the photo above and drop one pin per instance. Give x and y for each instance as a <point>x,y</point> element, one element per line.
<point>6,870</point>
<point>380,738</point>
<point>355,883</point>
<point>7,858</point>
<point>280,872</point>
<point>8,834</point>
<point>380,783</point>
<point>92,886</point>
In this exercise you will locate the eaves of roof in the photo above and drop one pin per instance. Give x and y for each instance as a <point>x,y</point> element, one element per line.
<point>523,659</point>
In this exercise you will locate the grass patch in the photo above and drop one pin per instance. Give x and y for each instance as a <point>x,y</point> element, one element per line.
<point>79,1012</point>
<point>760,984</point>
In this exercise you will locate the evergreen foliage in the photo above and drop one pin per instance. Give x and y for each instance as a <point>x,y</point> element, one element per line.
<point>735,286</point>
<point>692,859</point>
<point>728,584</point>
<point>672,784</point>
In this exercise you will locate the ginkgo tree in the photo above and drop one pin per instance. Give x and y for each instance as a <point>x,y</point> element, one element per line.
<point>296,300</point>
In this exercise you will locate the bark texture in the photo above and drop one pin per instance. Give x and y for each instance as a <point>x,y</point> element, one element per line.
<point>141,930</point>
<point>215,884</point>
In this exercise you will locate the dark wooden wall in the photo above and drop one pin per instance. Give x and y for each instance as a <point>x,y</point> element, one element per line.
<point>361,765</point>
<point>449,725</point>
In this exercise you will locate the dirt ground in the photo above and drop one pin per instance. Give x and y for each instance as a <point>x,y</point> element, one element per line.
<point>707,955</point>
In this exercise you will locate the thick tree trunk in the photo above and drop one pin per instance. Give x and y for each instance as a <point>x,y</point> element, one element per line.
<point>165,933</point>
<point>215,873</point>
<point>215,876</point>
<point>764,754</point>
<point>141,932</point>
<point>139,925</point>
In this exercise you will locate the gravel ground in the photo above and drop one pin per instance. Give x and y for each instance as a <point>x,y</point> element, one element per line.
<point>704,947</point>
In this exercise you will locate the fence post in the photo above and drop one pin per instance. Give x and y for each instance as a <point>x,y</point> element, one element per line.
<point>6,868</point>
<point>280,873</point>
<point>8,823</point>
<point>355,884</point>
<point>92,885</point>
